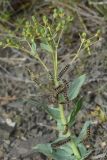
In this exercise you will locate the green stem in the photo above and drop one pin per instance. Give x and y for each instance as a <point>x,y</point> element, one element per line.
<point>42,63</point>
<point>63,119</point>
<point>75,150</point>
<point>55,69</point>
<point>55,62</point>
<point>77,54</point>
<point>74,147</point>
<point>61,109</point>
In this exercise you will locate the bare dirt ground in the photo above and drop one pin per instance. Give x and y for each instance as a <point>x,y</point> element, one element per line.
<point>24,124</point>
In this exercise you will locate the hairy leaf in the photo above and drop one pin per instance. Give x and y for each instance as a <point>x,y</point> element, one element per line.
<point>54,112</point>
<point>74,112</point>
<point>61,154</point>
<point>46,47</point>
<point>75,87</point>
<point>33,48</point>
<point>84,152</point>
<point>44,148</point>
<point>83,132</point>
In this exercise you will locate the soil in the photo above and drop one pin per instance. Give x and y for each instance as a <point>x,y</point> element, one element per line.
<point>24,124</point>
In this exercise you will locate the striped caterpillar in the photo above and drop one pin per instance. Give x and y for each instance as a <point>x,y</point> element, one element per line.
<point>65,92</point>
<point>62,72</point>
<point>62,88</point>
<point>88,132</point>
<point>61,142</point>
<point>88,140</point>
<point>33,77</point>
<point>50,76</point>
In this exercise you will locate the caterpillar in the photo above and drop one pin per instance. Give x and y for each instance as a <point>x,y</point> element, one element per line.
<point>61,142</point>
<point>59,89</point>
<point>88,132</point>
<point>33,77</point>
<point>53,99</point>
<point>65,92</point>
<point>55,93</point>
<point>50,76</point>
<point>62,87</point>
<point>62,72</point>
<point>88,140</point>
<point>65,83</point>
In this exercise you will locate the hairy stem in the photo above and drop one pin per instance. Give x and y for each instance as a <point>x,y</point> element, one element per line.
<point>74,147</point>
<point>55,68</point>
<point>75,150</point>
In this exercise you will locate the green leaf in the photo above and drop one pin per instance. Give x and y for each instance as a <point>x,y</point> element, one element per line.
<point>33,48</point>
<point>87,154</point>
<point>82,149</point>
<point>54,112</point>
<point>61,154</point>
<point>67,148</point>
<point>84,152</point>
<point>44,148</point>
<point>73,113</point>
<point>46,47</point>
<point>75,87</point>
<point>83,132</point>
